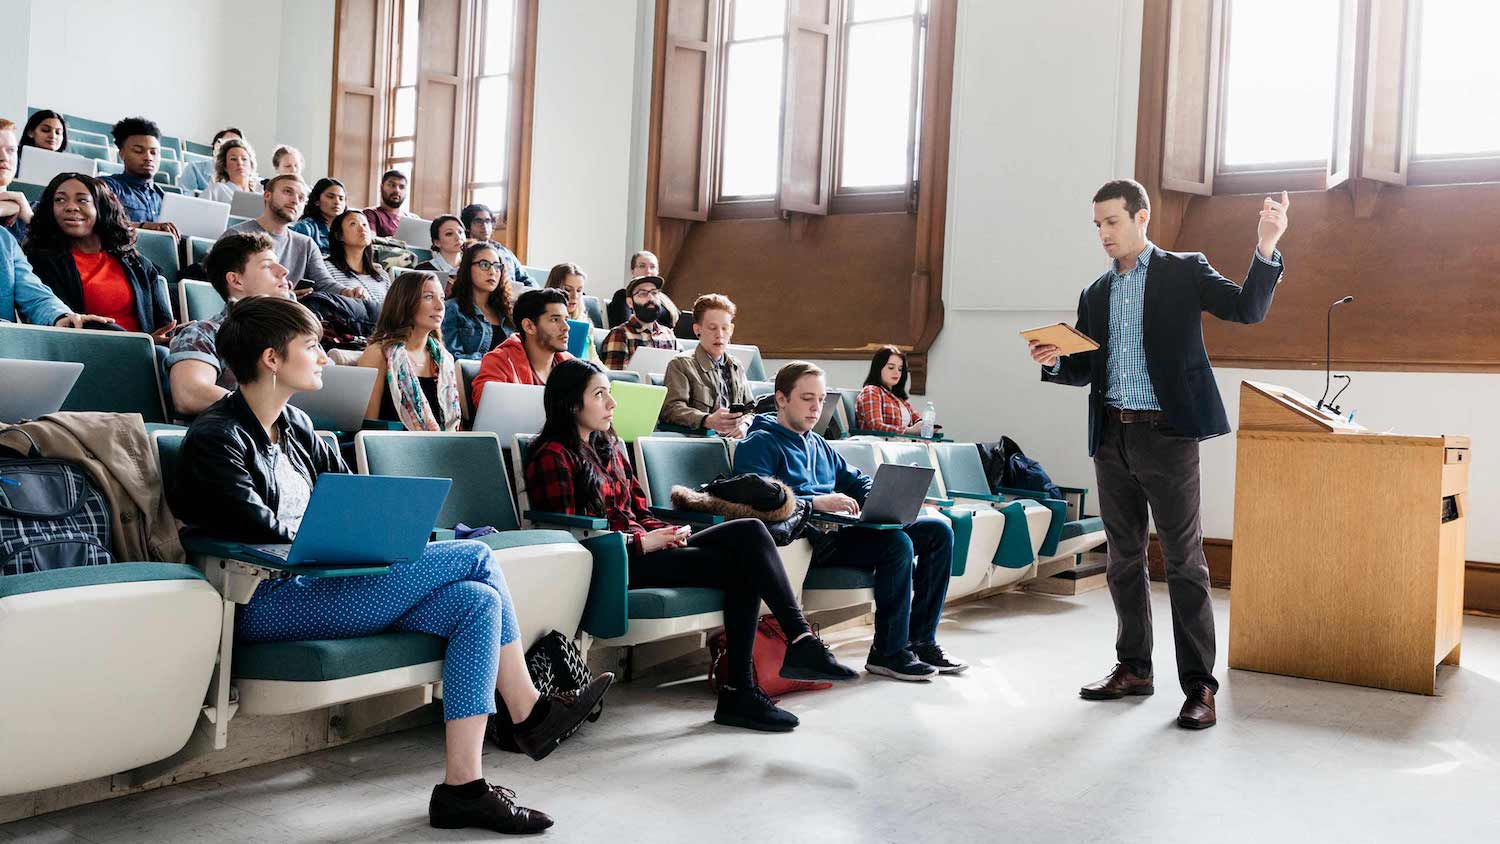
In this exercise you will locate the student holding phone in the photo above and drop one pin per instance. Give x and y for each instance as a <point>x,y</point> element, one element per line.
<point>707,389</point>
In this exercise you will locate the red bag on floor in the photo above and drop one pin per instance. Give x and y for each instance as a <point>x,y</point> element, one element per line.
<point>770,650</point>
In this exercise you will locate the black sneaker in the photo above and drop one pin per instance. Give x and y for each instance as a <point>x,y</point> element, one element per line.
<point>932,653</point>
<point>810,659</point>
<point>901,665</point>
<point>566,712</point>
<point>495,810</point>
<point>752,709</point>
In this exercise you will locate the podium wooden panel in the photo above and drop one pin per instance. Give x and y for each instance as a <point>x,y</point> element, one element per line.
<point>1348,547</point>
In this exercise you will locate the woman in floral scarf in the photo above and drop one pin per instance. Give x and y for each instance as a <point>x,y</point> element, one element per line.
<point>418,381</point>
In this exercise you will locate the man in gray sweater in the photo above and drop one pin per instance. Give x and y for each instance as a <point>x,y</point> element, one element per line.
<point>285,195</point>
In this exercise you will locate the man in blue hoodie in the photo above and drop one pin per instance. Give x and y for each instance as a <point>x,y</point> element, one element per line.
<point>908,596</point>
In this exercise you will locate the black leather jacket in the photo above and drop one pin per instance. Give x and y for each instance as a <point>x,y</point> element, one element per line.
<point>225,481</point>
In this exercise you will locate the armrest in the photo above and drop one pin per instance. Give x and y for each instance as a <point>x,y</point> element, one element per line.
<point>567,520</point>
<point>977,496</point>
<point>1034,495</point>
<point>846,521</point>
<point>381,425</point>
<point>672,514</point>
<point>239,552</point>
<point>937,437</point>
<point>442,535</point>
<point>669,428</point>
<point>1081,490</point>
<point>939,502</point>
<point>606,613</point>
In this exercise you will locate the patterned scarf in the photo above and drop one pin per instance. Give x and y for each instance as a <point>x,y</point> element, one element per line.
<point>406,391</point>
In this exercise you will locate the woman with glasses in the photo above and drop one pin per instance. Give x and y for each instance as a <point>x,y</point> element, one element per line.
<point>477,318</point>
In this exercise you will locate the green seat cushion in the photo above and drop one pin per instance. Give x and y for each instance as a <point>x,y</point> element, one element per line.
<point>838,577</point>
<point>526,538</point>
<point>1080,527</point>
<point>70,578</point>
<point>674,602</point>
<point>334,659</point>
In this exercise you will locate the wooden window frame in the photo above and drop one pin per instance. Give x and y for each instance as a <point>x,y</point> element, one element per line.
<point>389,139</point>
<point>735,207</point>
<point>877,199</point>
<point>1432,170</point>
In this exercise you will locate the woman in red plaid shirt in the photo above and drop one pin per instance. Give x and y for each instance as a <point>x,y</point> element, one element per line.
<point>882,404</point>
<point>578,466</point>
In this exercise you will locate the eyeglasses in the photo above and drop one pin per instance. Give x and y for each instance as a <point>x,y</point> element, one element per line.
<point>486,264</point>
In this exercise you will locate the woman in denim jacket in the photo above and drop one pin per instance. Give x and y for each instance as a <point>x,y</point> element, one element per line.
<point>477,318</point>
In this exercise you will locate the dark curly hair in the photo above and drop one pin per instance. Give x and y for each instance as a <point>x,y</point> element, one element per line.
<point>499,299</point>
<point>132,126</point>
<point>110,224</point>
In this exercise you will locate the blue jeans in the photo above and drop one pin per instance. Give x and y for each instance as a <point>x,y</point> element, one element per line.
<point>908,595</point>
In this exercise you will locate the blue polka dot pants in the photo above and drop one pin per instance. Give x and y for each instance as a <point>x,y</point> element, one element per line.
<point>451,591</point>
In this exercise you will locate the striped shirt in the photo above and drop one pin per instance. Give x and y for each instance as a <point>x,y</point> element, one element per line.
<point>1129,384</point>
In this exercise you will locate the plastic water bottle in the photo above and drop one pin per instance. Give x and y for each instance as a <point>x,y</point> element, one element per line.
<point>929,420</point>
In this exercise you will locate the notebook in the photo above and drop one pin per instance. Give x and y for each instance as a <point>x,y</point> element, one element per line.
<point>638,409</point>
<point>40,166</point>
<point>580,333</point>
<point>510,409</point>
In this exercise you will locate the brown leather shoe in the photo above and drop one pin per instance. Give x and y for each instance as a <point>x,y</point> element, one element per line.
<point>1120,681</point>
<point>1198,711</point>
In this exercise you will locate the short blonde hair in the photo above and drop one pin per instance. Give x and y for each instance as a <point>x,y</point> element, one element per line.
<point>711,302</point>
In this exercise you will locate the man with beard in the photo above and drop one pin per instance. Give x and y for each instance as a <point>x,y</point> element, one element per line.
<point>285,195</point>
<point>642,329</point>
<point>385,217</point>
<point>540,343</point>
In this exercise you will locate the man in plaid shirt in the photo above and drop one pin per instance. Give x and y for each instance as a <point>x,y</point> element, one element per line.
<point>641,329</point>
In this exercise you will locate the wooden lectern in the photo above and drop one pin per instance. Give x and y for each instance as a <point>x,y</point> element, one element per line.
<point>1348,547</point>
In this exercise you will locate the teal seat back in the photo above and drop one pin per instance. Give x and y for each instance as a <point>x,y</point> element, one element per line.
<point>523,449</point>
<point>480,494</point>
<point>31,192</point>
<point>234,221</point>
<point>912,454</point>
<point>537,275</point>
<point>98,127</point>
<point>761,389</point>
<point>847,399</point>
<point>198,249</point>
<point>203,150</point>
<point>170,147</point>
<point>623,375</point>
<point>681,461</point>
<point>860,454</point>
<point>108,168</point>
<point>595,309</point>
<point>755,368</point>
<point>468,370</point>
<point>97,153</point>
<point>84,136</point>
<point>168,444</point>
<point>200,300</point>
<point>160,249</point>
<point>658,379</point>
<point>119,375</point>
<point>961,467</point>
<point>171,188</point>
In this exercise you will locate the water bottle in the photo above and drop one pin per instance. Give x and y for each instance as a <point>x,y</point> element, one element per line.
<point>929,420</point>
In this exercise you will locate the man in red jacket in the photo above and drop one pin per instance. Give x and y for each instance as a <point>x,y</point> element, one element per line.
<point>540,342</point>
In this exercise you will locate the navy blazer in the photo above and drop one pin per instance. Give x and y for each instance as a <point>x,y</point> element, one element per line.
<point>1180,286</point>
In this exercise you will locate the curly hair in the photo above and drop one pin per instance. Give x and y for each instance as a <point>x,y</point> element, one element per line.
<point>221,158</point>
<point>110,223</point>
<point>499,299</point>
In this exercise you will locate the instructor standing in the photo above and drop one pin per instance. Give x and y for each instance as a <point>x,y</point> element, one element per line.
<point>1152,398</point>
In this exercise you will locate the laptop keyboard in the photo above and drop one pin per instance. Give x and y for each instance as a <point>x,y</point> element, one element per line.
<point>280,552</point>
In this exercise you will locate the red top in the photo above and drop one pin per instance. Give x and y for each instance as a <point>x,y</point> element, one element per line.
<point>106,291</point>
<point>508,362</point>
<point>879,409</point>
<point>383,220</point>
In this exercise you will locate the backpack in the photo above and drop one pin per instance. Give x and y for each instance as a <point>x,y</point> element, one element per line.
<point>769,651</point>
<point>52,516</point>
<point>1005,464</point>
<point>556,666</point>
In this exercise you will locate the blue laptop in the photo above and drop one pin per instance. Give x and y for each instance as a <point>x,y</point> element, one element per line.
<point>362,520</point>
<point>579,334</point>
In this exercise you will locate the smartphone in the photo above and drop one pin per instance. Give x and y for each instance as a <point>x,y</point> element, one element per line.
<point>741,408</point>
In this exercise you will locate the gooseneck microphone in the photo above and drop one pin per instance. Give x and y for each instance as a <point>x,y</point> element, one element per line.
<point>1323,403</point>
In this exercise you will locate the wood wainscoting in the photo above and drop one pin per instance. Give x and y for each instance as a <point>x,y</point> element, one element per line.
<point>1481,580</point>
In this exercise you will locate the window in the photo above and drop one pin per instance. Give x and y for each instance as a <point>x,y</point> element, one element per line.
<point>401,111</point>
<point>487,180</point>
<point>1456,126</point>
<point>754,51</point>
<point>882,80</point>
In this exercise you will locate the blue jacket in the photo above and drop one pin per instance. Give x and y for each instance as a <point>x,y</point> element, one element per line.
<point>468,337</point>
<point>805,462</point>
<point>314,228</point>
<point>21,291</point>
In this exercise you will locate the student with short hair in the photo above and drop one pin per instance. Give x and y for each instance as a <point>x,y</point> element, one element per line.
<point>198,174</point>
<point>882,404</point>
<point>324,202</point>
<point>479,224</point>
<point>81,246</point>
<point>418,383</point>
<point>447,232</point>
<point>577,465</point>
<point>643,328</point>
<point>642,264</point>
<point>234,170</point>
<point>15,208</point>
<point>478,316</point>
<point>284,196</point>
<point>702,385</point>
<point>908,597</point>
<point>238,266</point>
<point>386,217</point>
<point>247,469</point>
<point>351,258</point>
<point>538,346</point>
<point>288,161</point>
<point>45,129</point>
<point>139,143</point>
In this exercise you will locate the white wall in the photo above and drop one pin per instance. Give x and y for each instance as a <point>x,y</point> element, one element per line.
<point>305,84</point>
<point>582,136</point>
<point>13,60</point>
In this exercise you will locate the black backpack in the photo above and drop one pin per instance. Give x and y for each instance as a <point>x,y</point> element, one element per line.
<point>51,514</point>
<point>1005,464</point>
<point>556,666</point>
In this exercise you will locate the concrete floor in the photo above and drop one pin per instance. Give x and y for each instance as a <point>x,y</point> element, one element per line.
<point>1007,752</point>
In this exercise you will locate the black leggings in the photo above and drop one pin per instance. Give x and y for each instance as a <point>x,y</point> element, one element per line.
<point>739,558</point>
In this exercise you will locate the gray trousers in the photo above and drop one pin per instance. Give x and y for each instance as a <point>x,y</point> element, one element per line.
<point>1141,465</point>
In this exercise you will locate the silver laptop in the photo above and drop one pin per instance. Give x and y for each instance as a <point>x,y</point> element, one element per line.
<point>246,203</point>
<point>35,388</point>
<point>195,217</point>
<point>896,497</point>
<point>39,166</point>
<point>415,231</point>
<point>648,361</point>
<point>341,404</point>
<point>510,409</point>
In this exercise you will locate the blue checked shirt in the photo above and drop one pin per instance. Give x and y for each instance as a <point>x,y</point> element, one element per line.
<point>1129,385</point>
